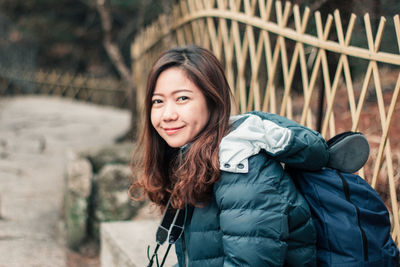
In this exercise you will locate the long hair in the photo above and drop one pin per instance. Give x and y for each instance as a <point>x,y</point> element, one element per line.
<point>187,177</point>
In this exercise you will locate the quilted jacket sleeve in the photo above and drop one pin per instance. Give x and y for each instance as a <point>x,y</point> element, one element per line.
<point>281,138</point>
<point>254,218</point>
<point>306,148</point>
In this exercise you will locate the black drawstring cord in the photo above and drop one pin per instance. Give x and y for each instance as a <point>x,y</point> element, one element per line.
<point>152,257</point>
<point>148,252</point>
<point>165,255</point>
<point>158,265</point>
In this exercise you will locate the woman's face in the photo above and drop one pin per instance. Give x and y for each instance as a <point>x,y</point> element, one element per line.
<point>179,109</point>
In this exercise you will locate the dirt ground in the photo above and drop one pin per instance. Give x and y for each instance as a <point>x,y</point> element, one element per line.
<point>35,134</point>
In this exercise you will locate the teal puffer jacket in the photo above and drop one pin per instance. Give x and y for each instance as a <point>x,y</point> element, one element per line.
<point>256,217</point>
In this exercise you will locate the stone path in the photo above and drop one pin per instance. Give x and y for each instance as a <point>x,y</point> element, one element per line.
<point>35,133</point>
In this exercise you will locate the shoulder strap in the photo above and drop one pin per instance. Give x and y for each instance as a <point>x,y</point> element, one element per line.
<point>170,228</point>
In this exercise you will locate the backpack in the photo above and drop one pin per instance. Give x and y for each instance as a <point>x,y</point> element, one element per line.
<point>351,220</point>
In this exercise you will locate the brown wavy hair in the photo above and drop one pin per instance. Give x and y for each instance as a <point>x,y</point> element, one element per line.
<point>185,175</point>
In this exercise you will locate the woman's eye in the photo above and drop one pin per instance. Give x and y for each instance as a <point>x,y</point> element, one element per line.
<point>156,101</point>
<point>182,98</point>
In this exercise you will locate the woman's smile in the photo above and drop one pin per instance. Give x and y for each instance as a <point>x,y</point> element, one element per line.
<point>172,130</point>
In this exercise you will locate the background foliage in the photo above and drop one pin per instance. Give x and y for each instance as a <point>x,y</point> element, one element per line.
<point>67,34</point>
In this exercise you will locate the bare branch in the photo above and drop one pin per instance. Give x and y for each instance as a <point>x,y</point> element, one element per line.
<point>115,55</point>
<point>111,47</point>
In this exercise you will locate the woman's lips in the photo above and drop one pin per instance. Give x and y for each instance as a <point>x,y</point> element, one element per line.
<point>171,131</point>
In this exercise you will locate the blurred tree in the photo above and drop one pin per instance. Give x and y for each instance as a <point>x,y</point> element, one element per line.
<point>67,34</point>
<point>115,55</point>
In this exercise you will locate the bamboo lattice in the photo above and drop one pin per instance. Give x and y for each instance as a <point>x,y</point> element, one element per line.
<point>281,60</point>
<point>105,91</point>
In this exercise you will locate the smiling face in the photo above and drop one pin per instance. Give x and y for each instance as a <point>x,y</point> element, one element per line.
<point>179,109</point>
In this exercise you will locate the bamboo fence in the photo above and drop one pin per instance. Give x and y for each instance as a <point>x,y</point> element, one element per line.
<point>283,60</point>
<point>104,91</point>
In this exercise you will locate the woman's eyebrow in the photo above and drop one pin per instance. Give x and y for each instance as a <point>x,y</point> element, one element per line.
<point>175,92</point>
<point>182,90</point>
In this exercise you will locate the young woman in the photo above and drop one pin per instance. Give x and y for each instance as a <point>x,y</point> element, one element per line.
<point>242,208</point>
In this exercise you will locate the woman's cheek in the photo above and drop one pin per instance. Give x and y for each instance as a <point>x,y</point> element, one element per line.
<point>153,117</point>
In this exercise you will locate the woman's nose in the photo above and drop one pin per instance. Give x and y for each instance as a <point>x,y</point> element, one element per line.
<point>170,112</point>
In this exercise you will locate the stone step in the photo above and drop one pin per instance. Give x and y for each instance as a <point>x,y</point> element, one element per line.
<point>124,244</point>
